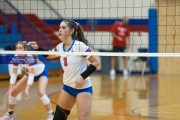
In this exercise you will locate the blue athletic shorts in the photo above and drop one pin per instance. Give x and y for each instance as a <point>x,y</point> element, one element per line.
<point>44,73</point>
<point>74,92</point>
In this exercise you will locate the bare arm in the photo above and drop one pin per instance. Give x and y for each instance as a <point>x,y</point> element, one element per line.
<point>116,36</point>
<point>15,73</point>
<point>90,69</point>
<point>128,41</point>
<point>93,60</point>
<point>29,82</point>
<point>12,81</point>
<point>36,47</point>
<point>30,72</point>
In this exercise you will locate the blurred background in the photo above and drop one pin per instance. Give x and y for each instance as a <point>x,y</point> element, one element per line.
<point>152,24</point>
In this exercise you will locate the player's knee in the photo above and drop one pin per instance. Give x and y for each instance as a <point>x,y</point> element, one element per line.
<point>45,100</point>
<point>61,114</point>
<point>41,92</point>
<point>83,115</point>
<point>12,100</point>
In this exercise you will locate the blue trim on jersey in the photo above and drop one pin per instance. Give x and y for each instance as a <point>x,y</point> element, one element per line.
<point>44,73</point>
<point>69,48</point>
<point>88,50</point>
<point>74,92</point>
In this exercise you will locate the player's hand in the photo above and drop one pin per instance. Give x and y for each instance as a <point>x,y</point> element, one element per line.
<point>33,44</point>
<point>79,82</point>
<point>119,38</point>
<point>27,94</point>
<point>9,92</point>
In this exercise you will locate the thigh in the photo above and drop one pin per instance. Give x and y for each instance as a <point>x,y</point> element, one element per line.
<point>42,83</point>
<point>66,101</point>
<point>84,103</point>
<point>20,86</point>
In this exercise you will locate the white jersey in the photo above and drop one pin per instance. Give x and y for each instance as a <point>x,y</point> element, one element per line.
<point>30,61</point>
<point>73,66</point>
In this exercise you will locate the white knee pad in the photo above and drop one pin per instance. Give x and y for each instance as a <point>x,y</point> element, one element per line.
<point>45,100</point>
<point>12,100</point>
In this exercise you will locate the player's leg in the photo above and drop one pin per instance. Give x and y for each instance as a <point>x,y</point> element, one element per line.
<point>113,62</point>
<point>84,103</point>
<point>125,71</point>
<point>43,81</point>
<point>19,87</point>
<point>65,103</point>
<point>124,58</point>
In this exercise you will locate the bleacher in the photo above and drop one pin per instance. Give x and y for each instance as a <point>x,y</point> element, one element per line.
<point>6,39</point>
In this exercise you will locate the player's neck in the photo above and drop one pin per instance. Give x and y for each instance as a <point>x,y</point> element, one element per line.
<point>68,43</point>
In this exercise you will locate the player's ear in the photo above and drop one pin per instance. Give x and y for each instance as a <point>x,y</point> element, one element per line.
<point>72,31</point>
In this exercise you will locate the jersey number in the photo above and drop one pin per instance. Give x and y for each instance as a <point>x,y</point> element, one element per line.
<point>65,62</point>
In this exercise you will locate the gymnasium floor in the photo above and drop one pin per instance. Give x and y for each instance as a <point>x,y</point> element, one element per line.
<point>135,98</point>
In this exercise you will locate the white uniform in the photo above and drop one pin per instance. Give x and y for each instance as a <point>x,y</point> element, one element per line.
<point>28,62</point>
<point>73,66</point>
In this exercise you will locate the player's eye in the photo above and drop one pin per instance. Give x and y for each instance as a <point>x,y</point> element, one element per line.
<point>62,27</point>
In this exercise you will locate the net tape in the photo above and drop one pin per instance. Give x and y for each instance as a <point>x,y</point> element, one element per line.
<point>93,53</point>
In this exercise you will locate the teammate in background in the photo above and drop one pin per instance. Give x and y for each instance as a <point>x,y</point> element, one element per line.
<point>77,86</point>
<point>121,39</point>
<point>10,66</point>
<point>35,71</point>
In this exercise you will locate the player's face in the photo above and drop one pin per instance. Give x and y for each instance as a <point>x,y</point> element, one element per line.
<point>64,31</point>
<point>125,21</point>
<point>20,47</point>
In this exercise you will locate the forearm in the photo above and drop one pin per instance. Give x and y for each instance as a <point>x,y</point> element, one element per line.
<point>128,40</point>
<point>91,68</point>
<point>114,35</point>
<point>96,64</point>
<point>42,49</point>
<point>28,86</point>
<point>47,56</point>
<point>11,86</point>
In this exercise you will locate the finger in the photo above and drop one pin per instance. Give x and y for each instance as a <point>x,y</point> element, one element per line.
<point>27,97</point>
<point>7,94</point>
<point>33,43</point>
<point>29,43</point>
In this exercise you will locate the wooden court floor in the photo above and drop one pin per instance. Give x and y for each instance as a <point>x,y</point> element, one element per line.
<point>149,97</point>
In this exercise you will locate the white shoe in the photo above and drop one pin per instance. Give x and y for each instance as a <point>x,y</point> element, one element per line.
<point>112,72</point>
<point>50,117</point>
<point>7,117</point>
<point>125,72</point>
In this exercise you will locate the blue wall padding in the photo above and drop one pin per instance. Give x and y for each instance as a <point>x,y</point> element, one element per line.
<point>153,38</point>
<point>3,29</point>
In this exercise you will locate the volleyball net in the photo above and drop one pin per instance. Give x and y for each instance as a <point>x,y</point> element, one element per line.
<point>153,24</point>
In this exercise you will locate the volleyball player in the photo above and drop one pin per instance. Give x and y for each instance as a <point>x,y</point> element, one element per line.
<point>35,72</point>
<point>77,84</point>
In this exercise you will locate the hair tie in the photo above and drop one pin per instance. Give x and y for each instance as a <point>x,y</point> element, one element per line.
<point>77,23</point>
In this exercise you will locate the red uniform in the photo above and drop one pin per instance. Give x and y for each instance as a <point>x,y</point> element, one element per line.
<point>122,32</point>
